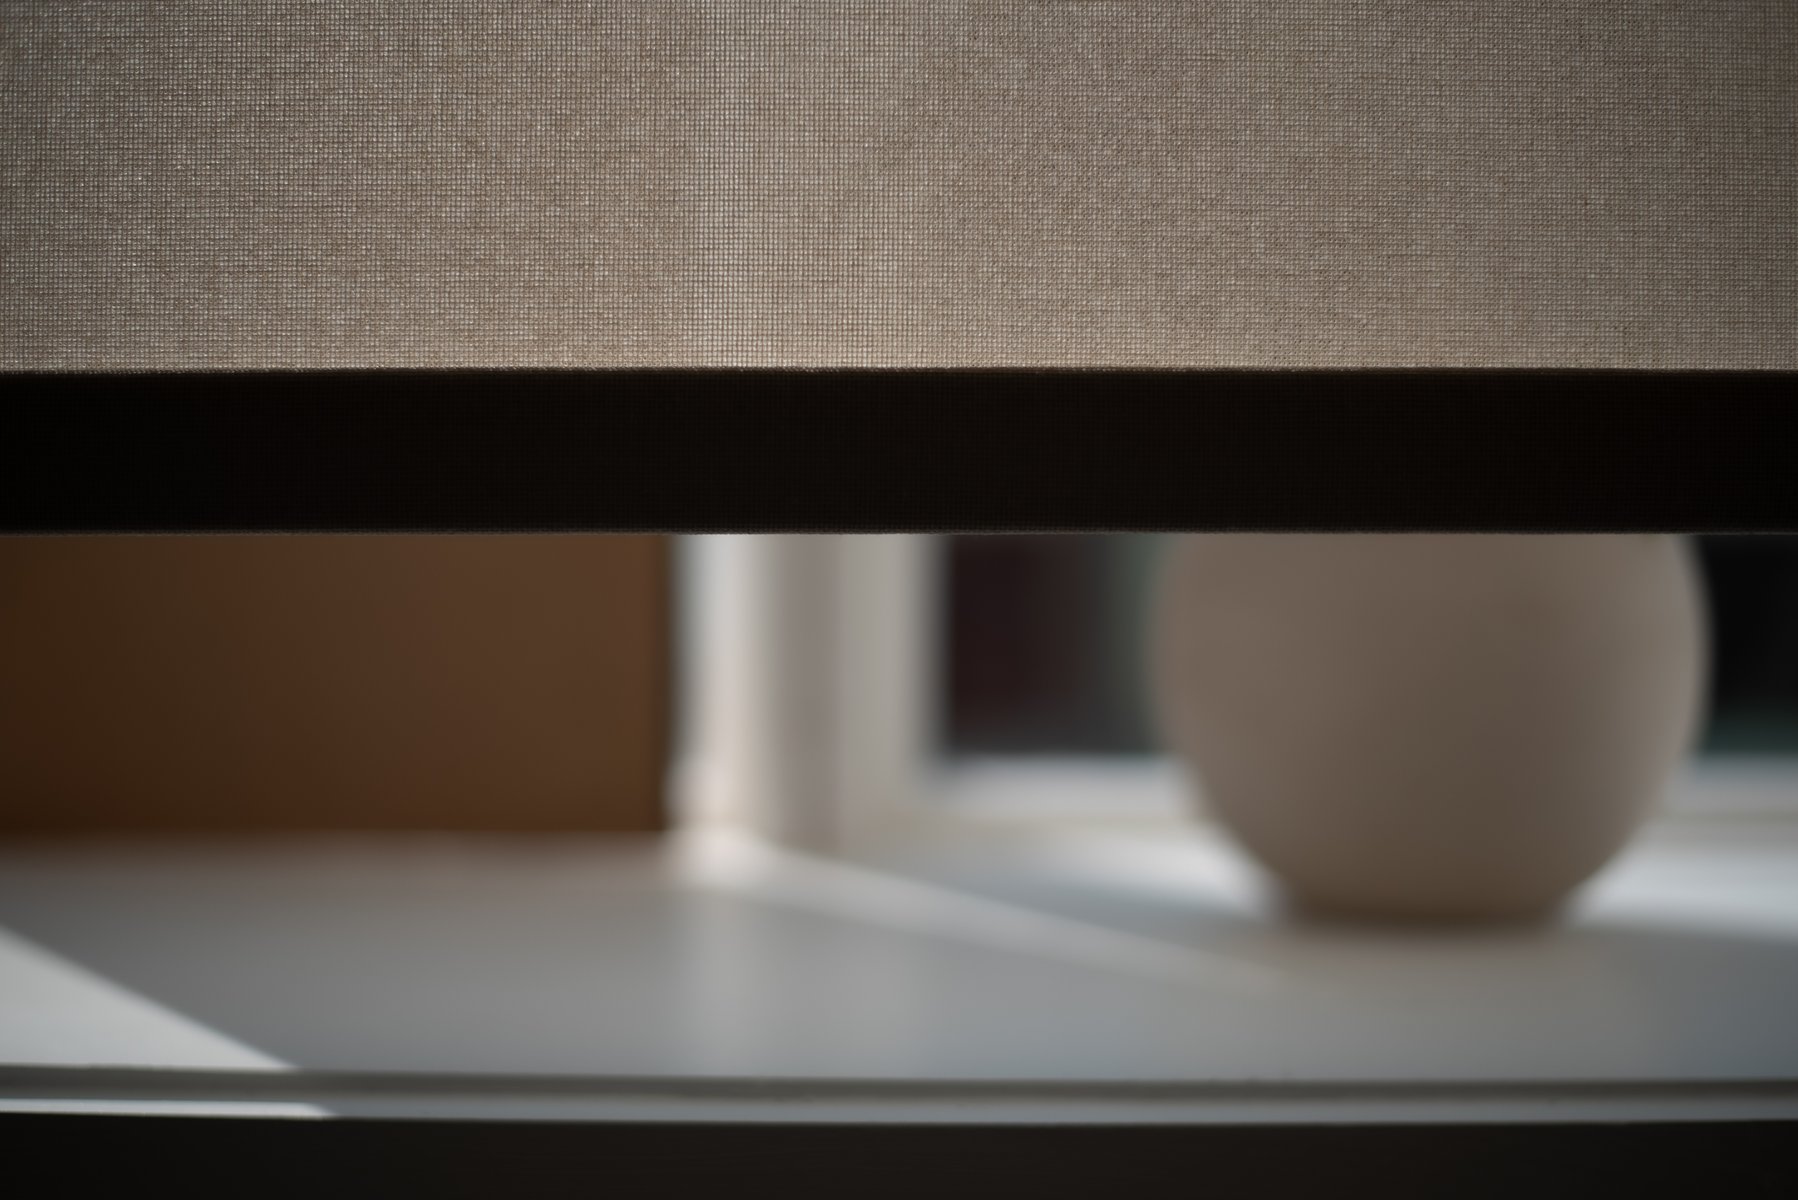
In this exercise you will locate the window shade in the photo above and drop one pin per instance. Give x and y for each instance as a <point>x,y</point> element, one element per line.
<point>1081,183</point>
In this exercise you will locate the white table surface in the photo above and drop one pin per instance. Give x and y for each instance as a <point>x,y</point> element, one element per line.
<point>1077,974</point>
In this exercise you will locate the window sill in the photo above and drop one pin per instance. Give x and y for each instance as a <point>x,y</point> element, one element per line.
<point>1111,975</point>
<point>1144,791</point>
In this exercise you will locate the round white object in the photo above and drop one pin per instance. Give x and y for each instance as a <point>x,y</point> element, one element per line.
<point>1461,726</point>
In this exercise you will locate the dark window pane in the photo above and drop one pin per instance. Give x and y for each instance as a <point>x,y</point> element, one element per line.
<point>1753,586</point>
<point>1044,644</point>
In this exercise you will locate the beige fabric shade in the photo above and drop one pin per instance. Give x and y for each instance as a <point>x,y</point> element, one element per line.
<point>238,184</point>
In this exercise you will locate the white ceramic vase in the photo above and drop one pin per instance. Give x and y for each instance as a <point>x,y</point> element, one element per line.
<point>1429,726</point>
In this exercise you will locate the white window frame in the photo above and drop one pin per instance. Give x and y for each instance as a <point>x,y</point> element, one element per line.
<point>810,677</point>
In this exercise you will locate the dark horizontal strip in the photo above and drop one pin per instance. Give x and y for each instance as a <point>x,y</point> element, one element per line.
<point>185,1156</point>
<point>848,450</point>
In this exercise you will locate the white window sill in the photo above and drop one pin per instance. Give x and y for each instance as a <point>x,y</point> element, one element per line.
<point>1130,973</point>
<point>1145,791</point>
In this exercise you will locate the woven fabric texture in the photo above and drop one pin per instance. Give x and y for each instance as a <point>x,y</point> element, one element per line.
<point>242,183</point>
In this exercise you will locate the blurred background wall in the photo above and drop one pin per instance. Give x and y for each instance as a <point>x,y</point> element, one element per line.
<point>333,682</point>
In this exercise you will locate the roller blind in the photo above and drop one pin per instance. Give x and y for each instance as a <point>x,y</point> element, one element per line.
<point>1081,183</point>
